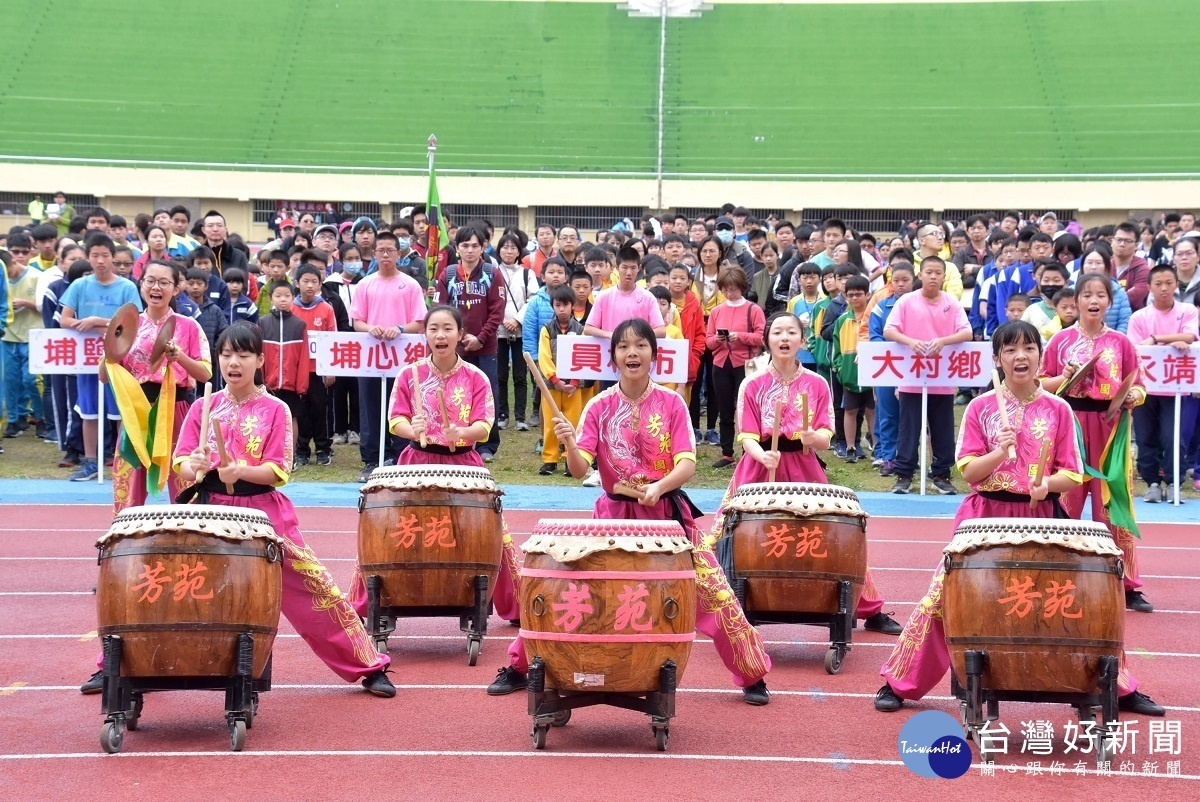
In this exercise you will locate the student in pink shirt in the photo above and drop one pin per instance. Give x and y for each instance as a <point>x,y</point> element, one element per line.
<point>1164,321</point>
<point>385,304</point>
<point>624,301</point>
<point>927,321</point>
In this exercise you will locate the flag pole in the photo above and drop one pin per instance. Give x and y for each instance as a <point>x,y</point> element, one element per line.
<point>433,217</point>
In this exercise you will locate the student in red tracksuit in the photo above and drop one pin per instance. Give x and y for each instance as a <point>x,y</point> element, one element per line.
<point>286,364</point>
<point>312,422</point>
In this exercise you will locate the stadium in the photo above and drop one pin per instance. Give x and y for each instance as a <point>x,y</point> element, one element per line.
<point>590,112</point>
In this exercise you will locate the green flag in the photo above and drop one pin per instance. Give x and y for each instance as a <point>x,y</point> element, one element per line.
<point>436,233</point>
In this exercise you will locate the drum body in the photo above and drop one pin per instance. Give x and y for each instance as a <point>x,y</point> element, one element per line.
<point>179,583</point>
<point>427,531</point>
<point>604,603</point>
<point>1042,597</point>
<point>793,542</point>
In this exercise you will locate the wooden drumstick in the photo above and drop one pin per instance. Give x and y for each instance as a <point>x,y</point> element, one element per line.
<point>1040,470</point>
<point>441,396</point>
<point>804,417</point>
<point>417,404</point>
<point>998,385</point>
<point>626,489</point>
<point>205,425</point>
<point>222,454</point>
<point>541,383</point>
<point>775,436</point>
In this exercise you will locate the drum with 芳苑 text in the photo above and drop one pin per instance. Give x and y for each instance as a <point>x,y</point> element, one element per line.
<point>1041,597</point>
<point>605,603</point>
<point>180,583</point>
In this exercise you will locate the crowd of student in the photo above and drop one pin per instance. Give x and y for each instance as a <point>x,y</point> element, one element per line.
<point>712,281</point>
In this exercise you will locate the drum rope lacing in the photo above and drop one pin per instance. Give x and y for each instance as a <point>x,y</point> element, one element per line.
<point>567,540</point>
<point>227,523</point>
<point>1082,536</point>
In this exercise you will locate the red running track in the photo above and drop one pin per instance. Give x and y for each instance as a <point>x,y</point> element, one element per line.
<point>442,737</point>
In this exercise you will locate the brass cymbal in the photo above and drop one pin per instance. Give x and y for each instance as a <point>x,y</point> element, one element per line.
<point>121,332</point>
<point>160,344</point>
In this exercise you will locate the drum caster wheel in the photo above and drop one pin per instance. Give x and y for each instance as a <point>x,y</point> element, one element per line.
<point>237,735</point>
<point>833,661</point>
<point>112,736</point>
<point>560,718</point>
<point>473,647</point>
<point>381,645</point>
<point>539,735</point>
<point>131,719</point>
<point>661,736</point>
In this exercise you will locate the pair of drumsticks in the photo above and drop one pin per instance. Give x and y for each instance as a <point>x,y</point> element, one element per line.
<point>779,425</point>
<point>208,424</point>
<point>420,407</point>
<point>1040,470</point>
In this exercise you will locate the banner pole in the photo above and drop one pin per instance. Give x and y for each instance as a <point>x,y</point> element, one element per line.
<point>383,430</point>
<point>100,423</point>
<point>1178,402</point>
<point>924,436</point>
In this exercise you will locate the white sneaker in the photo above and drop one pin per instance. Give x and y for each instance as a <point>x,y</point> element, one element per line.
<point>352,438</point>
<point>522,426</point>
<point>339,440</point>
<point>592,479</point>
<point>1154,494</point>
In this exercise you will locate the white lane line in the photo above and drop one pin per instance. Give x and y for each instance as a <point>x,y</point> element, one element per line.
<point>47,593</point>
<point>814,693</point>
<point>839,762</point>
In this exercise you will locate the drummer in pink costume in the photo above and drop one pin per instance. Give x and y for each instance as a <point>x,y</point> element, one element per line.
<point>257,434</point>
<point>190,361</point>
<point>1001,487</point>
<point>1065,353</point>
<point>470,413</point>
<point>785,379</point>
<point>639,436</point>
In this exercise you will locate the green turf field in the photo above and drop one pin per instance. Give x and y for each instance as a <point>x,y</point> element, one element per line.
<point>1006,88</point>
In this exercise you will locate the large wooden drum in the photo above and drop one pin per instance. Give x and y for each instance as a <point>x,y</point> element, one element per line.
<point>793,542</point>
<point>604,603</point>
<point>1042,597</point>
<point>179,583</point>
<point>427,531</point>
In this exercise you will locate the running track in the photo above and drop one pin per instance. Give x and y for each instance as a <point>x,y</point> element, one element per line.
<point>442,737</point>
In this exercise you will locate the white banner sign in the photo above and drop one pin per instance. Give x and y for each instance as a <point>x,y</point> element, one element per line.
<point>1169,371</point>
<point>890,364</point>
<point>345,353</point>
<point>65,351</point>
<point>586,358</point>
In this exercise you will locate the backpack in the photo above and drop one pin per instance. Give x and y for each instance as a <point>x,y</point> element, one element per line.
<point>452,283</point>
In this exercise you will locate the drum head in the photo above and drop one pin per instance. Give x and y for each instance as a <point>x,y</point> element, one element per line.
<point>121,332</point>
<point>455,478</point>
<point>571,539</point>
<point>228,523</point>
<point>1084,536</point>
<point>799,498</point>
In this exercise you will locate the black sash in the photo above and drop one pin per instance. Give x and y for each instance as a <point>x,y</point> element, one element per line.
<point>1021,498</point>
<point>434,448</point>
<point>786,445</point>
<point>680,503</point>
<point>1086,404</point>
<point>200,492</point>
<point>152,390</point>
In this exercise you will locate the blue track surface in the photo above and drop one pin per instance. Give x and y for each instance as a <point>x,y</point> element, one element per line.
<point>540,497</point>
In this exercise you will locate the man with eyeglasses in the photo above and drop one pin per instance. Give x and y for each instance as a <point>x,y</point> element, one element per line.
<point>568,244</point>
<point>1130,270</point>
<point>216,236</point>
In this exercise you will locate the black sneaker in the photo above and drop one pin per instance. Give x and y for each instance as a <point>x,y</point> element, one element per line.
<point>365,473</point>
<point>852,455</point>
<point>756,694</point>
<point>1141,704</point>
<point>12,431</point>
<point>886,700</point>
<point>1134,600</point>
<point>299,462</point>
<point>724,462</point>
<point>508,680</point>
<point>548,469</point>
<point>379,685</point>
<point>324,459</point>
<point>94,685</point>
<point>567,470</point>
<point>884,623</point>
<point>902,486</point>
<point>840,449</point>
<point>944,486</point>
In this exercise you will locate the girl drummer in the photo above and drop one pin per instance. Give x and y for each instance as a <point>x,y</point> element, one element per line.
<point>639,436</point>
<point>1066,353</point>
<point>801,392</point>
<point>1002,486</point>
<point>459,394</point>
<point>187,359</point>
